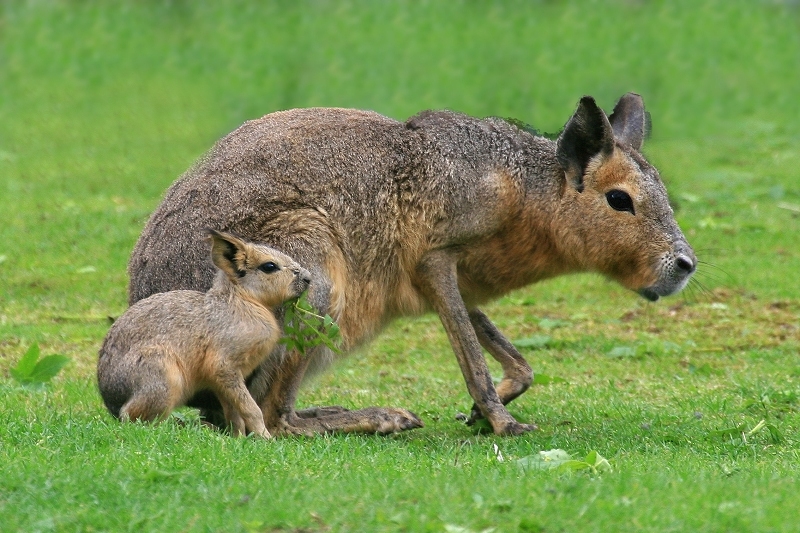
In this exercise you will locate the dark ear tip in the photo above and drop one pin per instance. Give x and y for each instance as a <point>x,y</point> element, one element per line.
<point>632,98</point>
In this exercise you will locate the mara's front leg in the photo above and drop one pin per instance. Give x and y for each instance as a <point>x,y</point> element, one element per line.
<point>438,279</point>
<point>517,373</point>
<point>240,409</point>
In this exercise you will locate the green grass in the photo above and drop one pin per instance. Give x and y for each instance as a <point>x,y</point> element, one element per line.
<point>103,105</point>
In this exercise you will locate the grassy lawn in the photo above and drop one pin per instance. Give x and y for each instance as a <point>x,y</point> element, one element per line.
<point>694,400</point>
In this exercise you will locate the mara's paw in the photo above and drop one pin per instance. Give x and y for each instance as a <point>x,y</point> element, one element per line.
<point>260,434</point>
<point>473,417</point>
<point>384,421</point>
<point>372,420</point>
<point>512,429</point>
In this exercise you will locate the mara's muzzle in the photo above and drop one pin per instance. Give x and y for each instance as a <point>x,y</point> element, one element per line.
<point>674,271</point>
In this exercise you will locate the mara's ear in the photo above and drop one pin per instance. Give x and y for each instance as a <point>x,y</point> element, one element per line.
<point>630,121</point>
<point>587,134</point>
<point>228,253</point>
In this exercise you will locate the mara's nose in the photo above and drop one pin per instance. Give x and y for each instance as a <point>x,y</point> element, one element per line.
<point>686,263</point>
<point>304,276</point>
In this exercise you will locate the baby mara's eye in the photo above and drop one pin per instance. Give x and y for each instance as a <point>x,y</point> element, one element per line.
<point>620,201</point>
<point>269,267</point>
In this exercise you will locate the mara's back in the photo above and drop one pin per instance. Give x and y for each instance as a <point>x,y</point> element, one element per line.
<point>286,180</point>
<point>356,191</point>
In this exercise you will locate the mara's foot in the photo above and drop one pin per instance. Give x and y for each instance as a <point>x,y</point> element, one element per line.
<point>372,420</point>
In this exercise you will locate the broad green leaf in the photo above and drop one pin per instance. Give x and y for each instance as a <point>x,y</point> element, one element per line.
<point>289,342</point>
<point>560,460</point>
<point>545,460</point>
<point>27,363</point>
<point>598,462</point>
<point>574,465</point>
<point>48,367</point>
<point>32,371</point>
<point>329,343</point>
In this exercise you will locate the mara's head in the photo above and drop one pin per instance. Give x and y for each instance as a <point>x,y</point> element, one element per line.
<point>260,273</point>
<point>617,219</point>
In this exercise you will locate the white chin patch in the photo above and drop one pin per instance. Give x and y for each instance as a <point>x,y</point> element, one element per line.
<point>665,288</point>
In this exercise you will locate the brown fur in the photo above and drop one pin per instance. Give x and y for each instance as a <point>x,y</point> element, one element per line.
<point>168,347</point>
<point>443,212</point>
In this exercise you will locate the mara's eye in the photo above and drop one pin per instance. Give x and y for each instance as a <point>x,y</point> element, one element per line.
<point>269,267</point>
<point>620,200</point>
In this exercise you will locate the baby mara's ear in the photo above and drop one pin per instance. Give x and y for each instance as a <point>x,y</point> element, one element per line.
<point>229,253</point>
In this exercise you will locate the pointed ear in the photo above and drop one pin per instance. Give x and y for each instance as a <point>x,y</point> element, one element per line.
<point>630,121</point>
<point>587,135</point>
<point>228,253</point>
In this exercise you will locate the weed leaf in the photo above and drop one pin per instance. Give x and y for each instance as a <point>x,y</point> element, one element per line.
<point>31,370</point>
<point>26,365</point>
<point>48,367</point>
<point>304,329</point>
<point>544,460</point>
<point>560,460</point>
<point>597,462</point>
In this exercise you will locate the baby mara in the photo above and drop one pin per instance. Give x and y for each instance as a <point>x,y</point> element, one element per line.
<point>168,347</point>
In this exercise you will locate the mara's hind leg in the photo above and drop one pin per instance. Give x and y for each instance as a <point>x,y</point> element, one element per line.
<point>157,390</point>
<point>233,420</point>
<point>144,408</point>
<point>148,404</point>
<point>517,373</point>
<point>260,383</point>
<point>281,417</point>
<point>278,381</point>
